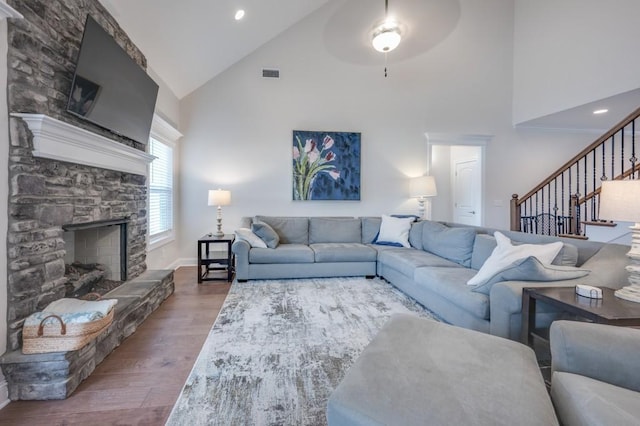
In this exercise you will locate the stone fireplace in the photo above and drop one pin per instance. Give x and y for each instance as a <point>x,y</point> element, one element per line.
<point>66,177</point>
<point>63,171</point>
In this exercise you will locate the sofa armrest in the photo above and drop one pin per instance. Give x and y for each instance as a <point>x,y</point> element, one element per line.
<point>603,352</point>
<point>241,249</point>
<point>505,305</point>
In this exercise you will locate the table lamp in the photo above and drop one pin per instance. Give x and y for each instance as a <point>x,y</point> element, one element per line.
<point>620,200</point>
<point>422,188</point>
<point>219,197</point>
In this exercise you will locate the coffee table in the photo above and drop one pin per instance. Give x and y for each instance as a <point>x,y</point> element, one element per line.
<point>608,310</point>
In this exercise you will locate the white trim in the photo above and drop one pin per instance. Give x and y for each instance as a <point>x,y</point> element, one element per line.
<point>62,141</point>
<point>7,11</point>
<point>161,128</point>
<point>186,261</point>
<point>164,238</point>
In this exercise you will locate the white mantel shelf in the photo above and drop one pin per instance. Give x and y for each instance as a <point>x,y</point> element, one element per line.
<point>64,142</point>
<point>7,11</point>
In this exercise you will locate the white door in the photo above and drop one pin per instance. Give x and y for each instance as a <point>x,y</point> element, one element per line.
<point>467,191</point>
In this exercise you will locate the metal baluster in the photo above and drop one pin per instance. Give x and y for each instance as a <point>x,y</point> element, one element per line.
<point>622,152</point>
<point>586,189</point>
<point>593,188</point>
<point>613,156</point>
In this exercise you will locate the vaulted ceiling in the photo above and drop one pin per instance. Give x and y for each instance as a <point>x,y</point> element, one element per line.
<point>188,42</point>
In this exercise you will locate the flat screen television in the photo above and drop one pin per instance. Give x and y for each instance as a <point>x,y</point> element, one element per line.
<point>109,88</point>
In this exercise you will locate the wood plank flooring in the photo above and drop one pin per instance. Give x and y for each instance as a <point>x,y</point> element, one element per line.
<point>138,383</point>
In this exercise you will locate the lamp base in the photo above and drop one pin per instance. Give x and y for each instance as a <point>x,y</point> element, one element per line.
<point>219,233</point>
<point>632,291</point>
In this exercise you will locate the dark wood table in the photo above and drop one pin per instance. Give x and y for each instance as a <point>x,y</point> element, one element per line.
<point>608,310</point>
<point>214,254</point>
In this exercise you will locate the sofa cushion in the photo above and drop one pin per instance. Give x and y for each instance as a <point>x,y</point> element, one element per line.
<point>334,230</point>
<point>291,230</point>
<point>407,260</point>
<point>506,253</point>
<point>484,245</point>
<point>266,234</point>
<point>455,244</point>
<point>343,252</point>
<point>284,253</point>
<point>450,283</point>
<point>531,269</point>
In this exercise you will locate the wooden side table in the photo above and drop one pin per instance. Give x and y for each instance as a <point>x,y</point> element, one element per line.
<point>608,310</point>
<point>215,255</point>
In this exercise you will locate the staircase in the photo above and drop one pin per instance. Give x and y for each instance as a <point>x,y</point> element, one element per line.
<point>568,200</point>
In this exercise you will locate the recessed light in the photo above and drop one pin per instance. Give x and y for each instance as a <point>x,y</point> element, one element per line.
<point>239,14</point>
<point>601,111</point>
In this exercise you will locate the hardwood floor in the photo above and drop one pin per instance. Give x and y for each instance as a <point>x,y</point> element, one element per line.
<point>138,383</point>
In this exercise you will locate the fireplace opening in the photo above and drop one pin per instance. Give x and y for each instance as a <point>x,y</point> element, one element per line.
<point>96,256</point>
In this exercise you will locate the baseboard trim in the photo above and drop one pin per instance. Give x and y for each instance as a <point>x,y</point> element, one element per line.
<point>185,261</point>
<point>4,393</point>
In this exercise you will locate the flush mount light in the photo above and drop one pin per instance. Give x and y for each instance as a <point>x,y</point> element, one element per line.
<point>239,14</point>
<point>386,37</point>
<point>601,111</point>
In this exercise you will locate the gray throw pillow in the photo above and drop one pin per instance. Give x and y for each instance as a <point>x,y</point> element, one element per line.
<point>266,233</point>
<point>531,269</point>
<point>455,244</point>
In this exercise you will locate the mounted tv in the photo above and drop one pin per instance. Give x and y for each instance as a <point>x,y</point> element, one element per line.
<point>110,89</point>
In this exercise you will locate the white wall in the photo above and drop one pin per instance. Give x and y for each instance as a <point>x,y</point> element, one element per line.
<point>238,127</point>
<point>168,107</point>
<point>572,52</point>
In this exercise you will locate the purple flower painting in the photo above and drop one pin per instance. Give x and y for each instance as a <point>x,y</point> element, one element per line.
<point>326,165</point>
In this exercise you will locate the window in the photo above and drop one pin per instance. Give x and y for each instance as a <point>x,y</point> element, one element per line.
<point>161,194</point>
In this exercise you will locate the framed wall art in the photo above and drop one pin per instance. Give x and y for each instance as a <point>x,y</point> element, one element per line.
<point>326,165</point>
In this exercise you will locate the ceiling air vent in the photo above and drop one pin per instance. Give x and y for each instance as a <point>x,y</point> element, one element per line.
<point>270,73</point>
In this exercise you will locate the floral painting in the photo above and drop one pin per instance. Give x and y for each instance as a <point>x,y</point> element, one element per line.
<point>326,165</point>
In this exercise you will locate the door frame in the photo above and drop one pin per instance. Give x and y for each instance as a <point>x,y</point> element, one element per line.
<point>457,139</point>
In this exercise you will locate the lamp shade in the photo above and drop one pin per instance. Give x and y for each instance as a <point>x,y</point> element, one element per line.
<point>423,186</point>
<point>386,38</point>
<point>219,197</point>
<point>620,200</point>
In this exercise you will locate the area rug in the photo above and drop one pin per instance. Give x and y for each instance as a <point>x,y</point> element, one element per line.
<point>279,347</point>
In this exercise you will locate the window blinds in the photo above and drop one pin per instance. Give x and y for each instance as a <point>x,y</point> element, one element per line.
<point>160,188</point>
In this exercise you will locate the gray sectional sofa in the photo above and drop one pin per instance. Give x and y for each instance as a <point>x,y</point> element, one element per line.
<point>434,270</point>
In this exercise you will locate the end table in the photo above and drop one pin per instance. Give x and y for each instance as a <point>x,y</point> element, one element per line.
<point>215,255</point>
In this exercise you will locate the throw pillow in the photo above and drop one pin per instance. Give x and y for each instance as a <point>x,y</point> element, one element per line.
<point>484,245</point>
<point>506,253</point>
<point>455,244</point>
<point>266,233</point>
<point>245,234</point>
<point>531,269</point>
<point>394,231</point>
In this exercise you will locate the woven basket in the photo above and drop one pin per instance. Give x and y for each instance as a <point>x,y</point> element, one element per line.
<point>56,336</point>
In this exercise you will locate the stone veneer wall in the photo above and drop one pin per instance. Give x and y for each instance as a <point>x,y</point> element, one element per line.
<point>44,194</point>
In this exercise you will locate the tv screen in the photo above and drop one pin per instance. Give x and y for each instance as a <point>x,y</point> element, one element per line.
<point>109,88</point>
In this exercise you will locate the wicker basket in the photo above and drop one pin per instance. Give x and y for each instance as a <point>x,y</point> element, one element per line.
<point>56,336</point>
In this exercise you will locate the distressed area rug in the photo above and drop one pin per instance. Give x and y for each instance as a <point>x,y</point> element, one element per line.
<point>279,347</point>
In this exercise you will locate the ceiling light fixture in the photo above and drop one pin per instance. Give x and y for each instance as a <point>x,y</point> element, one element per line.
<point>601,111</point>
<point>239,14</point>
<point>386,36</point>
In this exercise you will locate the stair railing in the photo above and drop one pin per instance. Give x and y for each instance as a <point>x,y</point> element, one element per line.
<point>570,196</point>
